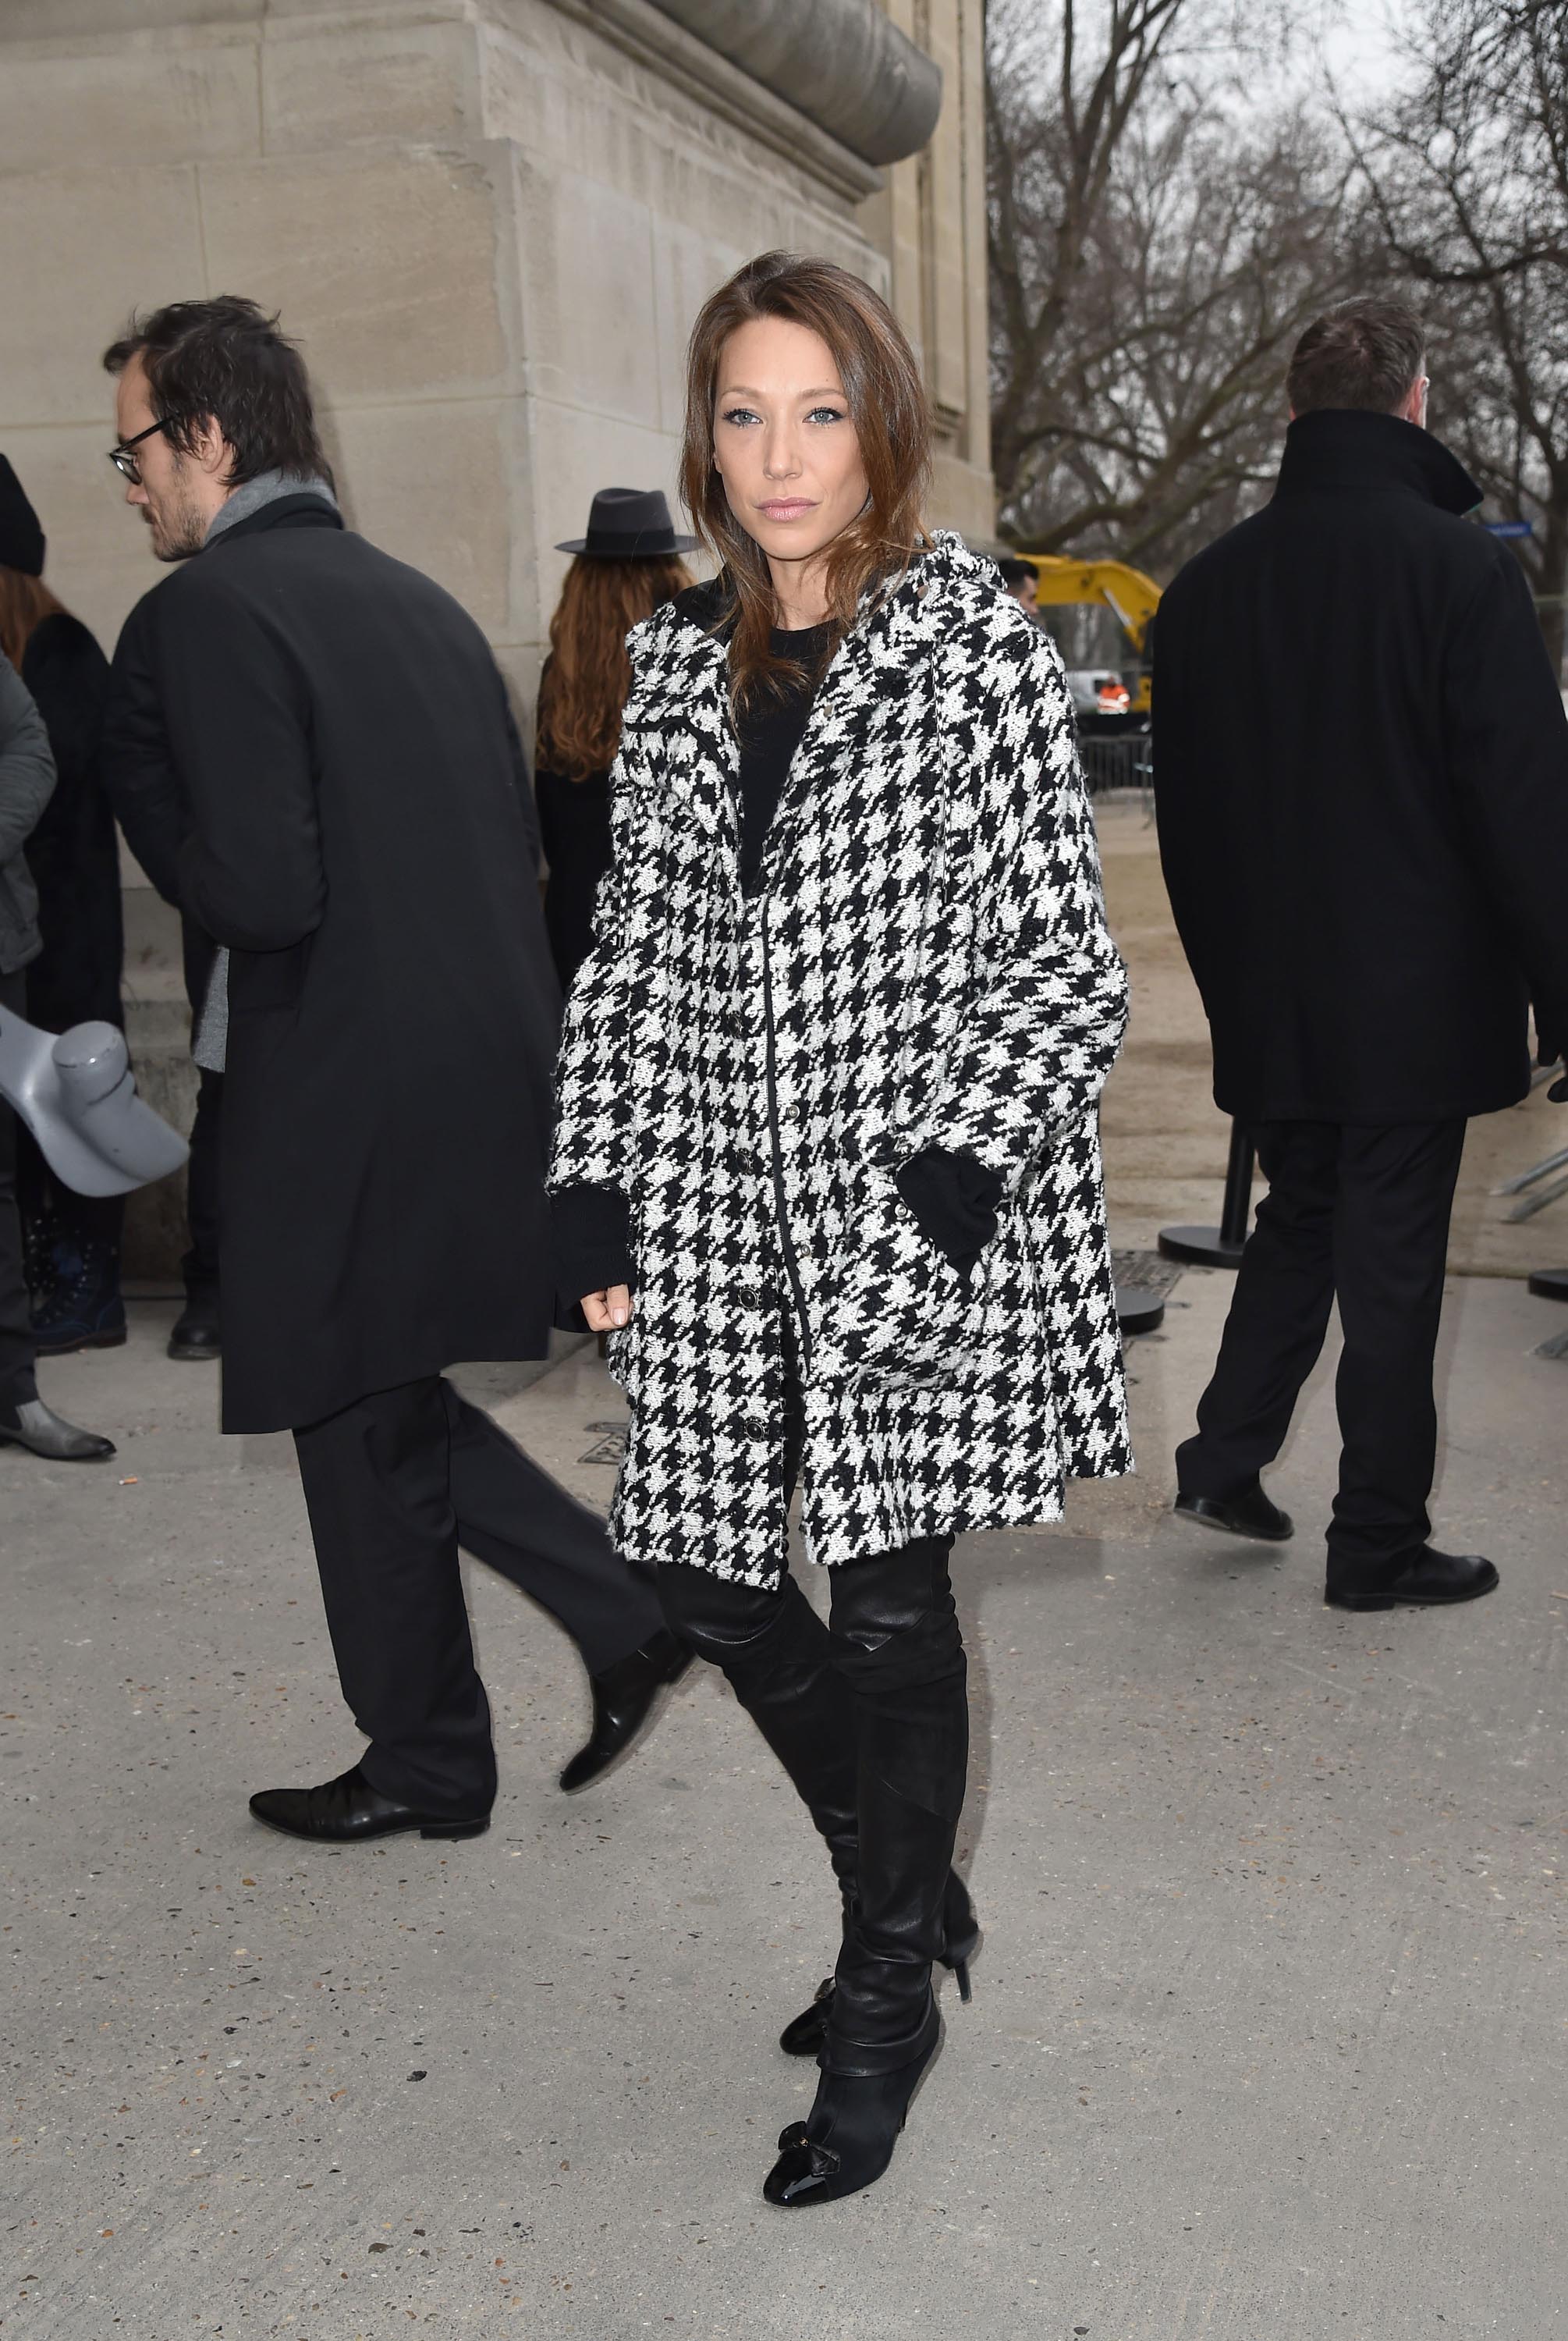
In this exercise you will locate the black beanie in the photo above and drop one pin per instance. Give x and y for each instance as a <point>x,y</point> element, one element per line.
<point>21,538</point>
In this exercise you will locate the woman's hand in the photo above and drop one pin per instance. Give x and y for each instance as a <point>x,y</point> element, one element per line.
<point>606,1312</point>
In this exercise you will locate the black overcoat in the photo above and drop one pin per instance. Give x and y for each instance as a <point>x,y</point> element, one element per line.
<point>1361,775</point>
<point>341,731</point>
<point>73,853</point>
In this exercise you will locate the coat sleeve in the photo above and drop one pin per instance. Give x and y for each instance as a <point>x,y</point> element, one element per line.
<point>1042,1033</point>
<point>1508,754</point>
<point>240,734</point>
<point>139,777</point>
<point>593,1098</point>
<point>27,765</point>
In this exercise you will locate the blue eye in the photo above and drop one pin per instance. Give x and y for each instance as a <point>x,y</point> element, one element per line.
<point>738,414</point>
<point>825,414</point>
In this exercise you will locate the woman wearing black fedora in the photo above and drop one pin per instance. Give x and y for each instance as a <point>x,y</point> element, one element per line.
<point>625,567</point>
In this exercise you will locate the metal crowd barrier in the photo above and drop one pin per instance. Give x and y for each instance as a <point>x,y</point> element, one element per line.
<point>1116,760</point>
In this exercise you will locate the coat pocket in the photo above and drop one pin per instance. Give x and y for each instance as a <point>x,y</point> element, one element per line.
<point>896,1313</point>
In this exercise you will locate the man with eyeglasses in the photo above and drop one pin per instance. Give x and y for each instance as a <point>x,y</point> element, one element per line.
<point>344,809</point>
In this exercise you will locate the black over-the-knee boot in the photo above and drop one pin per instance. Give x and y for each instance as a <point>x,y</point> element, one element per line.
<point>777,1659</point>
<point>780,1661</point>
<point>897,1642</point>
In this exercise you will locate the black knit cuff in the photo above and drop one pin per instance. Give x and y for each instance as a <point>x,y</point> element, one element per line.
<point>592,1226</point>
<point>954,1199</point>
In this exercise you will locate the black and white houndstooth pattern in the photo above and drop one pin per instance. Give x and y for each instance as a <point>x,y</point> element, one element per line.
<point>930,958</point>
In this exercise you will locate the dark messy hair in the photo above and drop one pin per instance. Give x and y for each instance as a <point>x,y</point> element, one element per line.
<point>1016,572</point>
<point>1364,353</point>
<point>226,359</point>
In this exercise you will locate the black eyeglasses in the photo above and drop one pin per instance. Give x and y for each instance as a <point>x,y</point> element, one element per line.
<point>123,460</point>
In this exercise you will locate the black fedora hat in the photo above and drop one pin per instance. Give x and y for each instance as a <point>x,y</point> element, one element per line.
<point>629,524</point>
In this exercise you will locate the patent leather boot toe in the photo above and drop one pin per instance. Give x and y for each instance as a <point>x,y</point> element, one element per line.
<point>846,2141</point>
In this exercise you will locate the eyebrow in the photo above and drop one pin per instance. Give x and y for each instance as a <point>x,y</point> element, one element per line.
<point>746,389</point>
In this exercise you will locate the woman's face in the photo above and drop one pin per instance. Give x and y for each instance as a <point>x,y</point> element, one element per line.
<point>783,442</point>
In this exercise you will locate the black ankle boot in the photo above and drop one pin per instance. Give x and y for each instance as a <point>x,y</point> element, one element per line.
<point>804,2034</point>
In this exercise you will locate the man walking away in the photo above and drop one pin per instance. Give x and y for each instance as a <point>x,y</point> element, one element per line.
<point>1365,853</point>
<point>361,848</point>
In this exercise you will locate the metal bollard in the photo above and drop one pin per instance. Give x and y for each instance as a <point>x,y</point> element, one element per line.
<point>1220,1247</point>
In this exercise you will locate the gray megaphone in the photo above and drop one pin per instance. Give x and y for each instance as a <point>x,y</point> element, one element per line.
<point>77,1095</point>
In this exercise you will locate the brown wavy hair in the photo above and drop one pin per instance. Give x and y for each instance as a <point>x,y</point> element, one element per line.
<point>23,602</point>
<point>583,688</point>
<point>887,406</point>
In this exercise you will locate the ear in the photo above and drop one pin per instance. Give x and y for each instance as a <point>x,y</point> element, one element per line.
<point>209,448</point>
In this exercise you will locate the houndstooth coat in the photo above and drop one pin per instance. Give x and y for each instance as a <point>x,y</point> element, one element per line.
<point>926,965</point>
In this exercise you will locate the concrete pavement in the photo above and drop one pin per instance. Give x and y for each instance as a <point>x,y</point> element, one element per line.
<point>1267,2039</point>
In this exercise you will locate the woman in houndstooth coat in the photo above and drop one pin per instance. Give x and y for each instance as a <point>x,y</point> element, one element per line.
<point>826,1165</point>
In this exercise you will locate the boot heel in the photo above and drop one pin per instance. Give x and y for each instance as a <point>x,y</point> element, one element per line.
<point>455,1829</point>
<point>961,1976</point>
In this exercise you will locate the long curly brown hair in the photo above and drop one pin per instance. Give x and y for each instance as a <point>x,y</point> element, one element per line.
<point>583,688</point>
<point>24,600</point>
<point>889,408</point>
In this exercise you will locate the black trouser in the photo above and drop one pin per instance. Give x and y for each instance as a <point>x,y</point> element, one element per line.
<point>1361,1214</point>
<point>395,1484</point>
<point>18,1352</point>
<point>200,1265</point>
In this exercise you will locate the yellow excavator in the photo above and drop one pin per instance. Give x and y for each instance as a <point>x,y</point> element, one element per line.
<point>1131,597</point>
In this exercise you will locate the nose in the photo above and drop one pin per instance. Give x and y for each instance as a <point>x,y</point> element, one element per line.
<point>780,455</point>
<point>135,492</point>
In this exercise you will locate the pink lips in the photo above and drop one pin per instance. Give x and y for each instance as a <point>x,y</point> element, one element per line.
<point>787,507</point>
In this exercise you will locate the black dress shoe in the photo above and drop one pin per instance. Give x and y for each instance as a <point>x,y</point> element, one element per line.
<point>1248,1514</point>
<point>37,1427</point>
<point>196,1332</point>
<point>348,1809</point>
<point>622,1697</point>
<point>1426,1579</point>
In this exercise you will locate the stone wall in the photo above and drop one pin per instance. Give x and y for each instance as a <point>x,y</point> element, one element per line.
<point>488,222</point>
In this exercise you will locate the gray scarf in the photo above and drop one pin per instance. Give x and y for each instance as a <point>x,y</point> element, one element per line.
<point>209,1044</point>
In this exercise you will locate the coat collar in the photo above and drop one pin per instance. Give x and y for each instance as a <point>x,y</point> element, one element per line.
<point>689,706</point>
<point>304,510</point>
<point>1344,447</point>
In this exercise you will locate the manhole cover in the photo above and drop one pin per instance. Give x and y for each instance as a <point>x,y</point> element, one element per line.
<point>1145,1271</point>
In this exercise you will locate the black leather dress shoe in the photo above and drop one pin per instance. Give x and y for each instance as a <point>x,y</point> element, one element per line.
<point>37,1427</point>
<point>1426,1580</point>
<point>348,1809</point>
<point>624,1696</point>
<point>196,1332</point>
<point>1249,1514</point>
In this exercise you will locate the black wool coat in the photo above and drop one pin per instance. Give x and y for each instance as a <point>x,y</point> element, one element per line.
<point>361,844</point>
<point>73,853</point>
<point>1360,777</point>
